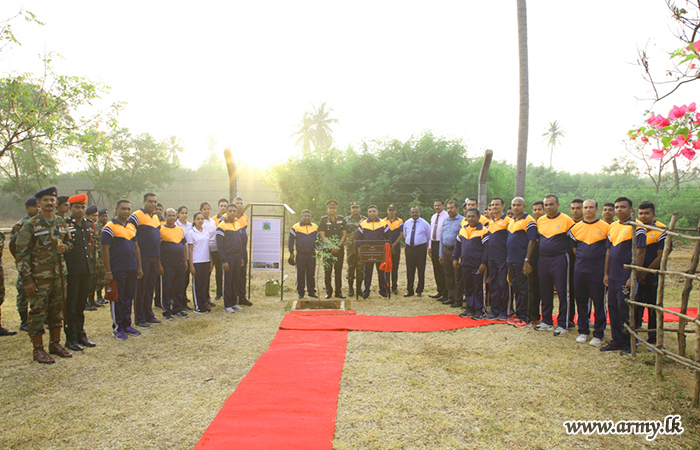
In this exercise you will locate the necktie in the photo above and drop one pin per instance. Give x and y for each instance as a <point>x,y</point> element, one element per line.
<point>413,232</point>
<point>437,219</point>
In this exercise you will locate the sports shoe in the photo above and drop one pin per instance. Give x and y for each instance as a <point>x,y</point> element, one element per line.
<point>153,321</point>
<point>132,330</point>
<point>503,318</point>
<point>466,315</point>
<point>202,311</point>
<point>511,321</point>
<point>610,348</point>
<point>180,315</point>
<point>313,296</point>
<point>383,295</point>
<point>143,325</point>
<point>582,338</point>
<point>520,323</point>
<point>229,310</point>
<point>237,307</point>
<point>596,342</point>
<point>186,308</point>
<point>491,317</point>
<point>167,317</point>
<point>544,327</point>
<point>120,335</point>
<point>478,315</point>
<point>560,331</point>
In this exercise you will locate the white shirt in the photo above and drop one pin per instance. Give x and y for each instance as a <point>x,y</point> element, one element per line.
<point>200,245</point>
<point>440,218</point>
<point>186,227</point>
<point>210,226</point>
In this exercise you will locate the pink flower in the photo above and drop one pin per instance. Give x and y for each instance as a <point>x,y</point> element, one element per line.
<point>692,66</point>
<point>657,154</point>
<point>659,121</point>
<point>696,145</point>
<point>645,139</point>
<point>696,46</point>
<point>677,113</point>
<point>680,141</point>
<point>674,142</point>
<point>691,107</point>
<point>688,153</point>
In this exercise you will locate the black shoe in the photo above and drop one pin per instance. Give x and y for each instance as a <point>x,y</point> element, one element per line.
<point>365,295</point>
<point>419,294</point>
<point>180,315</point>
<point>202,311</point>
<point>218,297</point>
<point>143,325</point>
<point>22,327</point>
<point>435,296</point>
<point>210,303</point>
<point>153,321</point>
<point>73,345</point>
<point>245,302</point>
<point>167,317</point>
<point>610,348</point>
<point>330,295</point>
<point>408,294</point>
<point>457,304</point>
<point>85,342</point>
<point>6,332</point>
<point>446,301</point>
<point>383,295</point>
<point>465,315</point>
<point>339,295</point>
<point>351,292</point>
<point>90,308</point>
<point>313,296</point>
<point>301,296</point>
<point>395,291</point>
<point>187,308</point>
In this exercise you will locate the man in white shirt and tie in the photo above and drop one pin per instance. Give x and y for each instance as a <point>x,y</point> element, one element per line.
<point>436,222</point>
<point>416,233</point>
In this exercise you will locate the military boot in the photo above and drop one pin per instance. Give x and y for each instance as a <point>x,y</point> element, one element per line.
<point>23,317</point>
<point>351,290</point>
<point>55,345</point>
<point>40,354</point>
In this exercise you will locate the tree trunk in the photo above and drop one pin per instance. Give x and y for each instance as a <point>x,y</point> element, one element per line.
<point>483,179</point>
<point>524,101</point>
<point>232,174</point>
<point>676,178</point>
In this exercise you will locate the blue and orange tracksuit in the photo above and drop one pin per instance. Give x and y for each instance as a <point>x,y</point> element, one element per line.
<point>373,230</point>
<point>230,247</point>
<point>553,266</point>
<point>472,250</point>
<point>304,236</point>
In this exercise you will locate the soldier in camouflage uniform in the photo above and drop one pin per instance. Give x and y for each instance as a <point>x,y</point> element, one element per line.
<point>40,245</point>
<point>356,270</point>
<point>22,303</point>
<point>98,276</point>
<point>3,331</point>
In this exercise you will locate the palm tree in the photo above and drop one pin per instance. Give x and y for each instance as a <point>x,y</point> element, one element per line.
<point>315,129</point>
<point>553,137</point>
<point>524,112</point>
<point>174,147</point>
<point>306,135</point>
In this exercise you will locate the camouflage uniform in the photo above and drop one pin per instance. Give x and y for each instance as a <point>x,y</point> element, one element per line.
<point>356,270</point>
<point>22,303</point>
<point>98,277</point>
<point>38,263</point>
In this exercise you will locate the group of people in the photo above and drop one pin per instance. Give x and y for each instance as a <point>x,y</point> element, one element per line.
<point>142,258</point>
<point>500,265</point>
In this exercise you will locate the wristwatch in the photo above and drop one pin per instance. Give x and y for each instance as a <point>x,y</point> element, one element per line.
<point>527,259</point>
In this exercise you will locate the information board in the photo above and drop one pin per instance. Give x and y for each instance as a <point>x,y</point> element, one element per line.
<point>266,245</point>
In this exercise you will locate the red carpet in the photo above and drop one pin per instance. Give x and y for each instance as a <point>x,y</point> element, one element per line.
<point>289,398</point>
<point>362,322</point>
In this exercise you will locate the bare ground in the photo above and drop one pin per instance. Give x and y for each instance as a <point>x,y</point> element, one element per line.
<point>488,387</point>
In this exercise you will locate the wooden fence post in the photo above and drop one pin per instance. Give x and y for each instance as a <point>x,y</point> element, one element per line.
<point>686,295</point>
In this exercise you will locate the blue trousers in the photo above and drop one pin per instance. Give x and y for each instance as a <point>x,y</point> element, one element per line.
<point>306,273</point>
<point>619,312</point>
<point>369,268</point>
<point>554,273</point>
<point>519,283</point>
<point>231,281</point>
<point>473,288</point>
<point>498,288</point>
<point>647,294</point>
<point>589,286</point>
<point>143,308</point>
<point>173,288</point>
<point>121,309</point>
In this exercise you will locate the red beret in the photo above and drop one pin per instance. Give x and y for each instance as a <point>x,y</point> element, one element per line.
<point>78,199</point>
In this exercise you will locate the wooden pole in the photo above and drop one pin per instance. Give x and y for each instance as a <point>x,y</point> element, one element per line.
<point>660,298</point>
<point>633,293</point>
<point>685,295</point>
<point>232,174</point>
<point>696,394</point>
<point>484,178</point>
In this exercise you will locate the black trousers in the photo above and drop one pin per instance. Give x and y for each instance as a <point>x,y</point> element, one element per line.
<point>453,277</point>
<point>329,267</point>
<point>438,272</point>
<point>219,273</point>
<point>395,260</point>
<point>519,286</point>
<point>533,310</point>
<point>416,257</point>
<point>200,285</point>
<point>76,299</point>
<point>243,278</point>
<point>572,292</point>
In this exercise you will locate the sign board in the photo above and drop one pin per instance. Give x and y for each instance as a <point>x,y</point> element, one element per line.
<point>266,245</point>
<point>372,251</point>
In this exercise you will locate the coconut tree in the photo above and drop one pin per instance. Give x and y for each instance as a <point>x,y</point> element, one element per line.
<point>524,111</point>
<point>174,146</point>
<point>316,129</point>
<point>553,137</point>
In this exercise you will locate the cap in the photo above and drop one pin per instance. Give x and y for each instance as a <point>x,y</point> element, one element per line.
<point>354,204</point>
<point>391,206</point>
<point>103,211</point>
<point>92,209</point>
<point>48,191</point>
<point>31,201</point>
<point>61,199</point>
<point>78,199</point>
<point>332,203</point>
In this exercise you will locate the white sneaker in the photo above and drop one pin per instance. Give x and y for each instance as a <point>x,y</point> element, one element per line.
<point>582,338</point>
<point>229,310</point>
<point>596,342</point>
<point>238,307</point>
<point>560,331</point>
<point>544,327</point>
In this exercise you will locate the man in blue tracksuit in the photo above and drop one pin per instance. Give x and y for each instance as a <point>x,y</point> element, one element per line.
<point>230,247</point>
<point>304,235</point>
<point>471,253</point>
<point>373,229</point>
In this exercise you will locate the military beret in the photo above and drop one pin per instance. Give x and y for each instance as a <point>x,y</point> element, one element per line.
<point>353,204</point>
<point>332,203</point>
<point>80,199</point>
<point>31,201</point>
<point>104,211</point>
<point>62,199</point>
<point>48,191</point>
<point>391,206</point>
<point>92,209</point>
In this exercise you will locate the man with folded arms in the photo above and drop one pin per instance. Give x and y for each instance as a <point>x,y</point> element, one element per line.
<point>471,254</point>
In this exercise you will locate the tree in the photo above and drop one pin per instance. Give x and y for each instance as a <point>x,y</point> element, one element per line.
<point>174,145</point>
<point>7,36</point>
<point>524,110</point>
<point>27,168</point>
<point>553,137</point>
<point>315,129</point>
<point>118,163</point>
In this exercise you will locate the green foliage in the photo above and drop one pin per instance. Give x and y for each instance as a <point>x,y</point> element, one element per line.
<point>316,129</point>
<point>27,168</point>
<point>119,163</point>
<point>324,250</point>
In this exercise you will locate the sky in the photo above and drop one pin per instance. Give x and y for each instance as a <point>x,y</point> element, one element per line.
<point>245,73</point>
